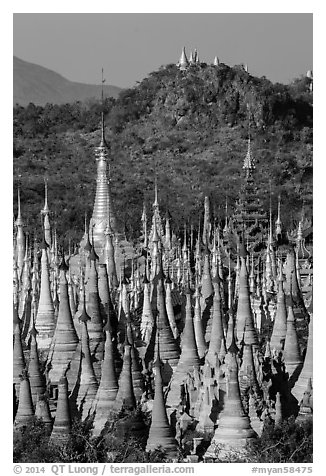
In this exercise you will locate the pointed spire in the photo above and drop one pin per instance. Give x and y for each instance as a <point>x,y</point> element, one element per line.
<point>125,397</point>
<point>247,374</point>
<point>279,324</point>
<point>93,305</point>
<point>169,306</point>
<point>216,61</point>
<point>147,319</point>
<point>108,388</point>
<point>278,223</point>
<point>20,238</point>
<point>88,385</point>
<point>109,259</point>
<point>249,162</point>
<point>62,423</point>
<point>155,204</point>
<point>198,326</point>
<point>45,324</point>
<point>25,412</point>
<point>206,280</point>
<point>168,345</point>
<point>217,333</point>
<point>36,378</point>
<point>45,209</point>
<point>207,222</point>
<point>160,433</point>
<point>102,211</point>
<point>65,335</point>
<point>191,58</point>
<point>136,371</point>
<point>234,429</point>
<point>183,62</point>
<point>244,312</point>
<point>19,220</point>
<point>18,358</point>
<point>306,373</point>
<point>291,353</point>
<point>189,358</point>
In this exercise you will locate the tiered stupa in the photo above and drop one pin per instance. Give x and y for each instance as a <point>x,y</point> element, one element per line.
<point>249,215</point>
<point>306,373</point>
<point>65,338</point>
<point>45,323</point>
<point>62,423</point>
<point>234,429</point>
<point>160,433</point>
<point>108,388</point>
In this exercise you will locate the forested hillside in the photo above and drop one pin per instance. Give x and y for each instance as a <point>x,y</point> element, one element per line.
<point>191,127</point>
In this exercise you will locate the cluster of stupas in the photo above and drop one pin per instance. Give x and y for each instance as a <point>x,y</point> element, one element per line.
<point>184,62</point>
<point>196,333</point>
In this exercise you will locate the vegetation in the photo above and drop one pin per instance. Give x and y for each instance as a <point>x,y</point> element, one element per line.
<point>32,445</point>
<point>289,443</point>
<point>191,127</point>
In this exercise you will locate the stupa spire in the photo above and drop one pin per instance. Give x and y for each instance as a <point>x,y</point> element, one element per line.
<point>155,204</point>
<point>147,319</point>
<point>88,385</point>
<point>291,353</point>
<point>20,237</point>
<point>160,433</point>
<point>278,223</point>
<point>18,358</point>
<point>198,325</point>
<point>189,354</point>
<point>101,215</point>
<point>234,429</point>
<point>25,411</point>
<point>65,336</point>
<point>169,306</point>
<point>183,62</point>
<point>249,163</point>
<point>125,397</point>
<point>168,345</point>
<point>95,326</point>
<point>207,222</point>
<point>244,311</point>
<point>108,388</point>
<point>217,333</point>
<point>306,373</point>
<point>36,378</point>
<point>279,325</point>
<point>45,324</point>
<point>19,220</point>
<point>62,423</point>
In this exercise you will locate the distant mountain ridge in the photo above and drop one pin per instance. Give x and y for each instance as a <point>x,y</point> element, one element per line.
<point>35,84</point>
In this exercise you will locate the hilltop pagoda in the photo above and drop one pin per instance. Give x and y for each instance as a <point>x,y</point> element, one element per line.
<point>249,216</point>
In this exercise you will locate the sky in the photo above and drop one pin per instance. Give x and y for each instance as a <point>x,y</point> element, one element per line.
<point>131,45</point>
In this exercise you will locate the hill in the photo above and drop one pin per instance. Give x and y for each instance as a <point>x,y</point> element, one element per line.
<point>39,85</point>
<point>192,127</point>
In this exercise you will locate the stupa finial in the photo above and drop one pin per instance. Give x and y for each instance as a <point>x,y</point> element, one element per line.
<point>45,209</point>
<point>19,221</point>
<point>249,163</point>
<point>155,204</point>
